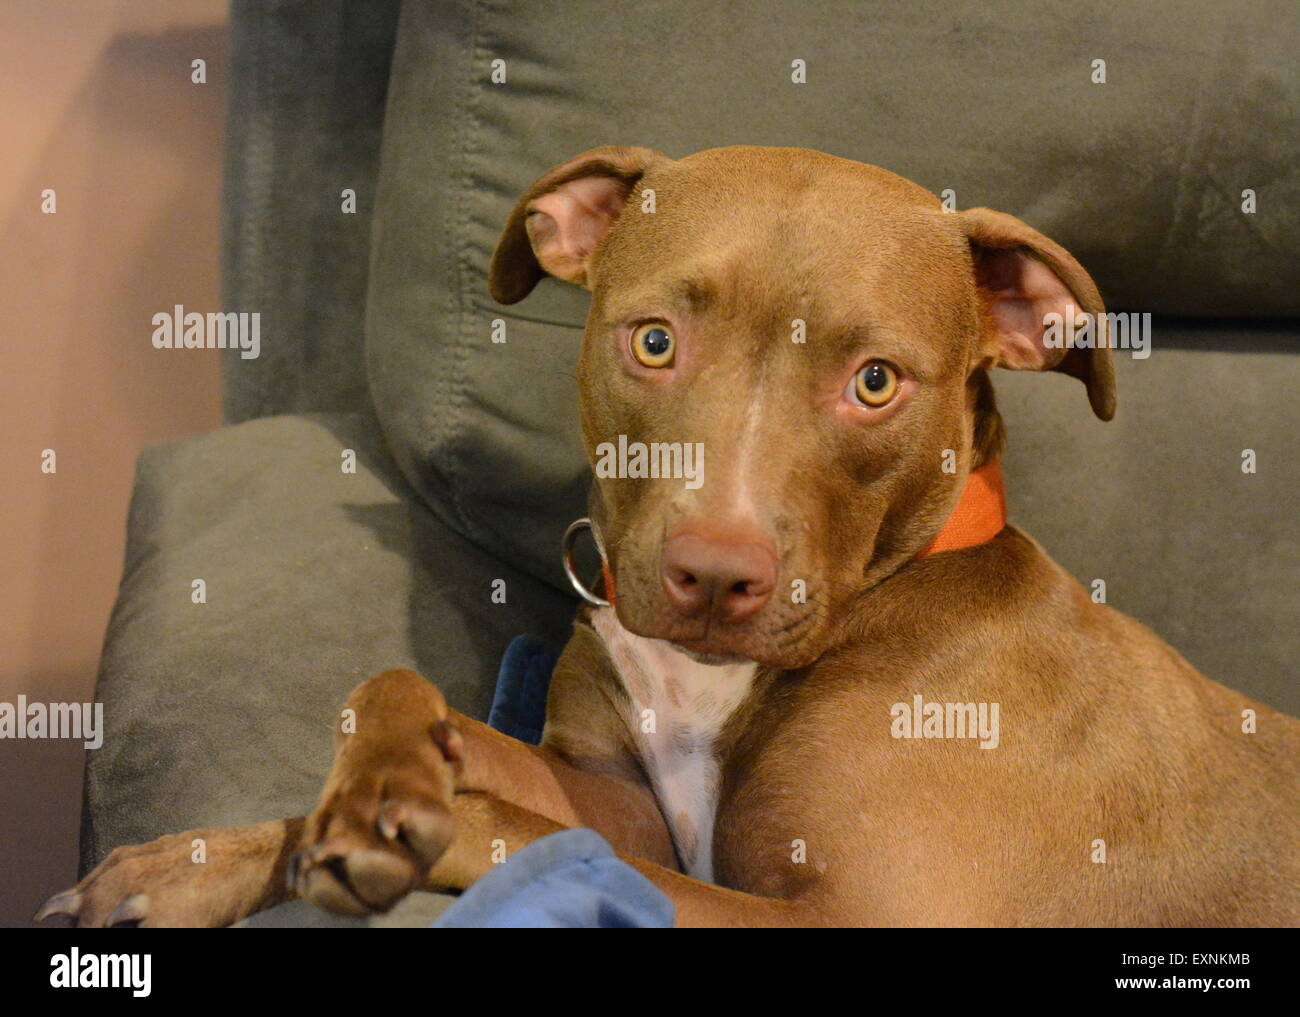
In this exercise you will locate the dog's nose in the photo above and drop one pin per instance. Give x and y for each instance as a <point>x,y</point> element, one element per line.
<point>730,573</point>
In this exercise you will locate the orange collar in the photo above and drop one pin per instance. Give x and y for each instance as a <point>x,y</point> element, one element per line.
<point>980,515</point>
<point>609,581</point>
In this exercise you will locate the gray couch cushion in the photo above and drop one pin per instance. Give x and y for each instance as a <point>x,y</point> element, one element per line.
<point>220,713</point>
<point>306,88</point>
<point>1139,177</point>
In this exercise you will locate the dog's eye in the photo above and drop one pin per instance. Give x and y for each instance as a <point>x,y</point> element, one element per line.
<point>875,384</point>
<point>653,345</point>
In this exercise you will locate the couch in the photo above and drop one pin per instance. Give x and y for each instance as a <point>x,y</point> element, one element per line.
<point>376,338</point>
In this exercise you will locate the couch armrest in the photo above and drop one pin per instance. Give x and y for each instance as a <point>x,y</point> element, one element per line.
<point>219,713</point>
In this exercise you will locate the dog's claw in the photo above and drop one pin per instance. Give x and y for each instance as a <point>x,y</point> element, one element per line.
<point>449,740</point>
<point>67,903</point>
<point>133,909</point>
<point>390,820</point>
<point>427,832</point>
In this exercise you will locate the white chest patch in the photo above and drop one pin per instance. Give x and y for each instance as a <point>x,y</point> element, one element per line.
<point>679,707</point>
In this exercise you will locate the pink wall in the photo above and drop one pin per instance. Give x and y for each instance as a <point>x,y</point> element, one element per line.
<point>96,102</point>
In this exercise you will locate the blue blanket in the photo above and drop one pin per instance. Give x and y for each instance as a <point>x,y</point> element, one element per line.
<point>568,880</point>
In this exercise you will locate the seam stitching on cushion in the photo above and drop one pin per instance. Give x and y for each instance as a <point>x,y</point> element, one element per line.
<point>456,388</point>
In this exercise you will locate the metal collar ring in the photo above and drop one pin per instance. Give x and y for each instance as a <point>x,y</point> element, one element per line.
<point>570,570</point>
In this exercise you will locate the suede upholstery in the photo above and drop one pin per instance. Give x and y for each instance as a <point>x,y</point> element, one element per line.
<point>219,714</point>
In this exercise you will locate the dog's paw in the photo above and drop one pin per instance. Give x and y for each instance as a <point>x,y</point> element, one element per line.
<point>154,885</point>
<point>383,822</point>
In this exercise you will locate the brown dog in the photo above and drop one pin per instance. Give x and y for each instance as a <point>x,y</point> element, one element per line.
<point>748,711</point>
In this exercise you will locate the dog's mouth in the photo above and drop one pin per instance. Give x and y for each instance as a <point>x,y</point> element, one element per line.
<point>711,659</point>
<point>772,643</point>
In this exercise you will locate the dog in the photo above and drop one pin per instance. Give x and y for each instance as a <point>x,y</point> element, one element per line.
<point>828,685</point>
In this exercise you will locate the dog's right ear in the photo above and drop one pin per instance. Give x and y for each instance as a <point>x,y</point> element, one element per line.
<point>557,226</point>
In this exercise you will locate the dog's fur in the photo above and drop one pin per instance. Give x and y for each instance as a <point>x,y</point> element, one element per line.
<point>1125,790</point>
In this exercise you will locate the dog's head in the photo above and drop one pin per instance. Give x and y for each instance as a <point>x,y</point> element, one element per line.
<point>820,330</point>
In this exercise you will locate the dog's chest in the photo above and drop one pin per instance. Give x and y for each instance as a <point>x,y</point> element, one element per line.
<point>679,707</point>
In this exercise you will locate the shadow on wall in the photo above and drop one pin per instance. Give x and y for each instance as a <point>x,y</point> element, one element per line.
<point>136,167</point>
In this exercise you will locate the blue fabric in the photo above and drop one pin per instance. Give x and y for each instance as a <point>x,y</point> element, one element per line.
<point>519,704</point>
<point>567,880</point>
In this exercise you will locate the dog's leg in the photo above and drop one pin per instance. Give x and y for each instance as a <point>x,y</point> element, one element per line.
<point>384,818</point>
<point>385,825</point>
<point>490,831</point>
<point>390,806</point>
<point>202,878</point>
<point>542,781</point>
<point>703,905</point>
<point>400,752</point>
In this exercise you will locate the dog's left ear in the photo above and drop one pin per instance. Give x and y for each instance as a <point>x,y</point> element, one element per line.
<point>1022,277</point>
<point>558,224</point>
